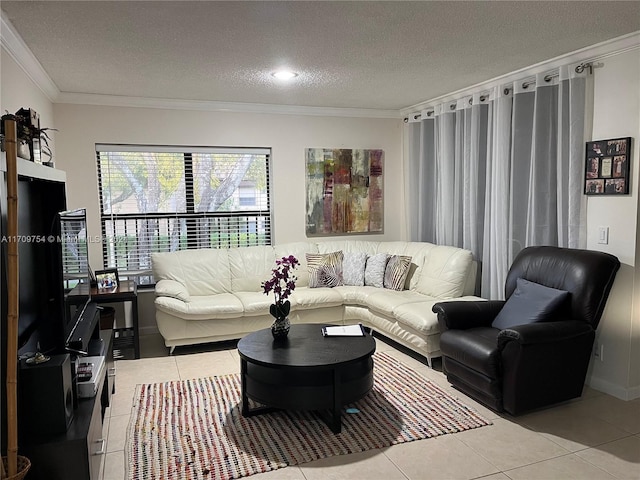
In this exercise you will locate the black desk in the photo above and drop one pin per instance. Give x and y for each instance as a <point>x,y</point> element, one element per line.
<point>127,291</point>
<point>305,371</point>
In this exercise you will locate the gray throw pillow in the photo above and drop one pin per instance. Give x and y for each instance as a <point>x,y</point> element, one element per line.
<point>374,271</point>
<point>529,303</point>
<point>353,265</point>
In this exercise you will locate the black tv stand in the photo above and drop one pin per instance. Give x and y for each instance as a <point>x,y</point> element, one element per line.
<point>78,453</point>
<point>85,331</point>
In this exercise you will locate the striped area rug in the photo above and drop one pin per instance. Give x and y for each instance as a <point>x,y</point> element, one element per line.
<point>193,429</point>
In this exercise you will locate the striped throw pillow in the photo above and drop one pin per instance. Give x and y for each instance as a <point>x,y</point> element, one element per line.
<point>325,269</point>
<point>396,272</point>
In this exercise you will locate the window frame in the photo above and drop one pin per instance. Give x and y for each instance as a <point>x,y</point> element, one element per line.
<point>261,219</point>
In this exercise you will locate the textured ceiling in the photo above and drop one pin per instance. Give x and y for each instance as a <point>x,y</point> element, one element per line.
<point>380,55</point>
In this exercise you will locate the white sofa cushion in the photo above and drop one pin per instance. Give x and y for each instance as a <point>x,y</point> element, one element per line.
<point>306,298</point>
<point>250,266</point>
<point>255,303</point>
<point>370,248</point>
<point>221,305</point>
<point>418,315</point>
<point>203,272</point>
<point>354,294</point>
<point>394,248</point>
<point>444,273</point>
<point>386,301</point>
<point>173,289</point>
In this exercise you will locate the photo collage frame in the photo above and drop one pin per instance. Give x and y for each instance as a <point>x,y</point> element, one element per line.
<point>607,167</point>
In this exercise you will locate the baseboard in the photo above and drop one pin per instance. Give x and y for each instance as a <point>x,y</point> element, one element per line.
<point>634,392</point>
<point>148,330</point>
<point>614,390</point>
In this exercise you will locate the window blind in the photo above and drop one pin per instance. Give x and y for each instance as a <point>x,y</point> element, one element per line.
<point>162,199</point>
<point>73,237</point>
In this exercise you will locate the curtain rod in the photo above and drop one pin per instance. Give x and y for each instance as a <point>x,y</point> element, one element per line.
<point>527,84</point>
<point>547,78</point>
<point>590,58</point>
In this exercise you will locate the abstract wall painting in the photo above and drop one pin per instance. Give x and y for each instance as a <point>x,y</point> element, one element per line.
<point>344,191</point>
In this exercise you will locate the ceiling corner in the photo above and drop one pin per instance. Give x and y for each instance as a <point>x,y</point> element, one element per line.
<point>12,42</point>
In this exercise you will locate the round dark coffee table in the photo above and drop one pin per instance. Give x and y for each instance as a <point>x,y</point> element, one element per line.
<point>305,371</point>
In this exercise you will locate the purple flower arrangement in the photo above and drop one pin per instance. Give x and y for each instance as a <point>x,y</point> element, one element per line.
<point>282,283</point>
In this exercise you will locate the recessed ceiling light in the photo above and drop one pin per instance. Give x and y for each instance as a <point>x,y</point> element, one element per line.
<point>284,74</point>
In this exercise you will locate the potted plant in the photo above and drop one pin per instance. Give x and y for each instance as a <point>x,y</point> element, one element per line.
<point>282,283</point>
<point>36,138</point>
<point>32,141</point>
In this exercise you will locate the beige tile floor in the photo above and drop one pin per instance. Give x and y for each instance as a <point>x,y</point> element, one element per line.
<point>594,437</point>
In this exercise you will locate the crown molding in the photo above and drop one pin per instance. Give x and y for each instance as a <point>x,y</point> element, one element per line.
<point>15,46</point>
<point>237,107</point>
<point>12,42</point>
<point>598,51</point>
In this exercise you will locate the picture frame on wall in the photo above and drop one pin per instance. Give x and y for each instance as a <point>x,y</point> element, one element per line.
<point>607,166</point>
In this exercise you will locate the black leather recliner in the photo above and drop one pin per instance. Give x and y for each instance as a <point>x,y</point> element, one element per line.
<point>524,367</point>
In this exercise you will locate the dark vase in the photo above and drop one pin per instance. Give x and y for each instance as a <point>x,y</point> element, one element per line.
<point>280,328</point>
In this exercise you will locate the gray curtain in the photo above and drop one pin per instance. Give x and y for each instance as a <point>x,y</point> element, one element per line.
<point>497,172</point>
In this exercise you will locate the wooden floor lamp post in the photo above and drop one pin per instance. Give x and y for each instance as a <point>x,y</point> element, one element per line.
<point>14,466</point>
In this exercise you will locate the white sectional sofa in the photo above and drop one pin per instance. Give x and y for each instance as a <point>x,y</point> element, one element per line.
<point>209,295</point>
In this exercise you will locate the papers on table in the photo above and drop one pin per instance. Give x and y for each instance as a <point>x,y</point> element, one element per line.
<point>343,331</point>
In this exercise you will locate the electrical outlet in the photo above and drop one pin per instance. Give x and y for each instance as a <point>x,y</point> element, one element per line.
<point>598,351</point>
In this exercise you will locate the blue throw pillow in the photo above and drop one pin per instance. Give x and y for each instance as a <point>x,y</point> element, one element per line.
<point>529,303</point>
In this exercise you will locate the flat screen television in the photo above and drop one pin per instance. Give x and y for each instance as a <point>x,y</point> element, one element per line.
<point>40,322</point>
<point>76,278</point>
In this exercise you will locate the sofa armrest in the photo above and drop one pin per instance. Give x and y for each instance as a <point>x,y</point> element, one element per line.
<point>460,315</point>
<point>173,289</point>
<point>543,332</point>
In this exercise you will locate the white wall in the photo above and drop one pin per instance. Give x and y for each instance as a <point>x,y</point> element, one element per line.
<point>617,114</point>
<point>82,126</point>
<point>18,91</point>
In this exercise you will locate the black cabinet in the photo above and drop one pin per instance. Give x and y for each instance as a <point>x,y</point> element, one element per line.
<point>110,380</point>
<point>76,454</point>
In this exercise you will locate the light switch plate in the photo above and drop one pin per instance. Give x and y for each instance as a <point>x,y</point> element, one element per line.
<point>603,235</point>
